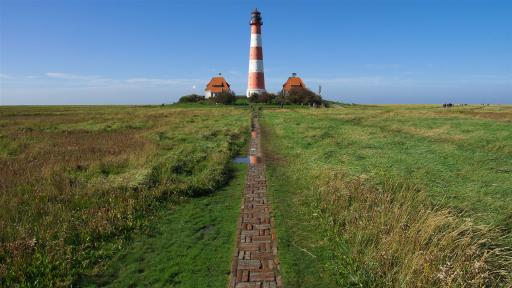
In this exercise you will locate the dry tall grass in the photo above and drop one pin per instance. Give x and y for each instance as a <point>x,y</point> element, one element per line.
<point>73,179</point>
<point>391,236</point>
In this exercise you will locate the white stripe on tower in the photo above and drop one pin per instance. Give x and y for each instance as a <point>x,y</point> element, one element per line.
<point>256,83</point>
<point>256,40</point>
<point>256,66</point>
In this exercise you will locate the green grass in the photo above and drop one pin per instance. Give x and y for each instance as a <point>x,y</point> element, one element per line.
<point>78,180</point>
<point>460,157</point>
<point>190,246</point>
<point>363,196</point>
<point>463,161</point>
<point>303,246</point>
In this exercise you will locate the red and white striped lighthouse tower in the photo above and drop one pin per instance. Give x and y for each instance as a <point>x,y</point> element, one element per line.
<point>256,82</point>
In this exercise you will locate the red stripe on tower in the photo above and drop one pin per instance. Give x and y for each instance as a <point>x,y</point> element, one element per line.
<point>256,83</point>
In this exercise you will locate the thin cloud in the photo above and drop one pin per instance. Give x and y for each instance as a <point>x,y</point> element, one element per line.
<point>409,81</point>
<point>106,81</point>
<point>160,81</point>
<point>359,81</point>
<point>67,76</point>
<point>5,76</point>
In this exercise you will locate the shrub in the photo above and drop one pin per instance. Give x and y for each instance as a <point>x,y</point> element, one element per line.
<point>241,100</point>
<point>224,97</point>
<point>192,98</point>
<point>303,96</point>
<point>281,99</point>
<point>266,98</point>
<point>253,98</point>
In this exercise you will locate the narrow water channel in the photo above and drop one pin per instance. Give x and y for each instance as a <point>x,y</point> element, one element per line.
<point>243,159</point>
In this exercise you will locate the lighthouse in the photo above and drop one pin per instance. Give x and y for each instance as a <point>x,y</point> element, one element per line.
<point>256,83</point>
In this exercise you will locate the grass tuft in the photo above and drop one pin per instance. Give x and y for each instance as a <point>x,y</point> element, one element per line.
<point>391,236</point>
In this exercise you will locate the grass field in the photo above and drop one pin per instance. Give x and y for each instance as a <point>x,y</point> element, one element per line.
<point>190,246</point>
<point>363,196</point>
<point>76,181</point>
<point>381,196</point>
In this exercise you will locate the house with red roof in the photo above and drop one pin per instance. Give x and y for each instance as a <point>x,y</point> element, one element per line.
<point>293,82</point>
<point>216,85</point>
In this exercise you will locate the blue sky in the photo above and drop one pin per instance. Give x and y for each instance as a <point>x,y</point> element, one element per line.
<point>139,52</point>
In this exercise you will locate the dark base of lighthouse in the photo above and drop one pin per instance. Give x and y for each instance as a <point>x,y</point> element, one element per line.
<point>250,92</point>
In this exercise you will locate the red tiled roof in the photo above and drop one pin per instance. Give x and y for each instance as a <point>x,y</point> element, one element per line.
<point>293,82</point>
<point>217,85</point>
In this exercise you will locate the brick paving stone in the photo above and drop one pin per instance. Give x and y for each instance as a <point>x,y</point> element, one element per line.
<point>262,276</point>
<point>250,232</point>
<point>249,264</point>
<point>262,256</point>
<point>255,261</point>
<point>248,285</point>
<point>269,285</point>
<point>249,246</point>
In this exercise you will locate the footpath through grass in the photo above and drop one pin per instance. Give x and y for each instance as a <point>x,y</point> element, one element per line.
<point>190,246</point>
<point>374,196</point>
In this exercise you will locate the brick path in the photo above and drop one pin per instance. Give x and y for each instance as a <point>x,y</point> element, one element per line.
<point>255,262</point>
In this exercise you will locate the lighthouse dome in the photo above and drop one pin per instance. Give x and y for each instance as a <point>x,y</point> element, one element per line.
<point>256,17</point>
